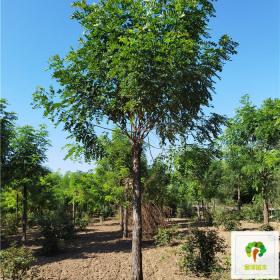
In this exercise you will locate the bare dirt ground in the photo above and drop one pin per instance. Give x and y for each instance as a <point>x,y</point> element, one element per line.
<point>101,253</point>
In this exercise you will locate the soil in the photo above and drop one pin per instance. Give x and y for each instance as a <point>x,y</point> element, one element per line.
<point>101,253</point>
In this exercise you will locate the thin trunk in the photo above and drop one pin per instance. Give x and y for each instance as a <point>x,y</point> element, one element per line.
<point>125,218</point>
<point>265,204</point>
<point>136,264</point>
<point>17,210</point>
<point>265,208</point>
<point>238,198</point>
<point>206,206</point>
<point>24,218</point>
<point>73,212</point>
<point>198,211</point>
<point>121,217</point>
<point>214,204</point>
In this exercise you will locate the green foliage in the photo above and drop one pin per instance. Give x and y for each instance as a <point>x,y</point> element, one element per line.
<point>15,263</point>
<point>165,236</point>
<point>266,228</point>
<point>253,212</point>
<point>198,254</point>
<point>82,222</point>
<point>8,126</point>
<point>208,216</point>
<point>157,55</point>
<point>106,212</point>
<point>56,227</point>
<point>277,215</point>
<point>227,218</point>
<point>9,224</point>
<point>251,140</point>
<point>185,210</point>
<point>32,219</point>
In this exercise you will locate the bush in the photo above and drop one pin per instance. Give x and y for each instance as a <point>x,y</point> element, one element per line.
<point>164,236</point>
<point>15,262</point>
<point>185,211</point>
<point>208,216</point>
<point>55,228</point>
<point>266,228</point>
<point>198,254</point>
<point>253,212</point>
<point>81,223</point>
<point>31,220</point>
<point>277,215</point>
<point>229,219</point>
<point>9,224</point>
<point>105,212</point>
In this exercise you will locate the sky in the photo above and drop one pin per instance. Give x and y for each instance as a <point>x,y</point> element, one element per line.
<point>34,30</point>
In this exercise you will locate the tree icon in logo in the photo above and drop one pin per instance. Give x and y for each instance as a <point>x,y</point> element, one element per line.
<point>255,248</point>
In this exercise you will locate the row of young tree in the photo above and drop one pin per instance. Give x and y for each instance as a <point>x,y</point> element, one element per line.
<point>238,168</point>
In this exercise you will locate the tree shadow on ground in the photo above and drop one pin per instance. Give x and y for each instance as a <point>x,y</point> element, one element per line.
<point>86,245</point>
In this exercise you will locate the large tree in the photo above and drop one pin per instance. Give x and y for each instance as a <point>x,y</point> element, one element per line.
<point>142,65</point>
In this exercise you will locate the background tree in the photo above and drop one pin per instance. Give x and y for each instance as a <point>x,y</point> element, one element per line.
<point>8,126</point>
<point>254,133</point>
<point>193,163</point>
<point>28,154</point>
<point>143,65</point>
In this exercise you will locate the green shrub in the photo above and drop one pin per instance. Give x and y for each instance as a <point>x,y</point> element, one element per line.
<point>229,219</point>
<point>9,224</point>
<point>31,220</point>
<point>198,254</point>
<point>277,215</point>
<point>81,223</point>
<point>208,216</point>
<point>164,236</point>
<point>56,227</point>
<point>185,210</point>
<point>15,262</point>
<point>253,212</point>
<point>105,212</point>
<point>266,228</point>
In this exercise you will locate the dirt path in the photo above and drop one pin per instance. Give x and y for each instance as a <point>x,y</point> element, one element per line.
<point>101,253</point>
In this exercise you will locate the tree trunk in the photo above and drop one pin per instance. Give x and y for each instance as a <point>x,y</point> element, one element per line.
<point>136,264</point>
<point>265,207</point>
<point>125,218</point>
<point>198,211</point>
<point>202,206</point>
<point>121,217</point>
<point>24,218</point>
<point>214,204</point>
<point>238,198</point>
<point>17,211</point>
<point>73,212</point>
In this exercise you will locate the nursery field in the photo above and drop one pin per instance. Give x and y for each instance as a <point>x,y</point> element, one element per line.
<point>100,252</point>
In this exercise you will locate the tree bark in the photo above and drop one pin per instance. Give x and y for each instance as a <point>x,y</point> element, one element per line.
<point>198,211</point>
<point>73,212</point>
<point>24,218</point>
<point>121,217</point>
<point>125,217</point>
<point>265,205</point>
<point>238,198</point>
<point>17,210</point>
<point>136,264</point>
